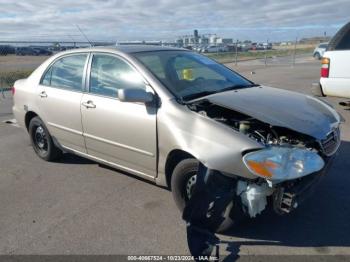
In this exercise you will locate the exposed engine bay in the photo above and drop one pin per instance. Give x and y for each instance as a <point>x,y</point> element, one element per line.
<point>261,132</point>
<point>254,194</point>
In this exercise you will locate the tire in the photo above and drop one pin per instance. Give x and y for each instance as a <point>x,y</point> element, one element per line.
<point>41,140</point>
<point>181,177</point>
<point>317,56</point>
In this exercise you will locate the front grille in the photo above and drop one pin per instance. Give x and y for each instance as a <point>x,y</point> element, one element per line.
<point>330,144</point>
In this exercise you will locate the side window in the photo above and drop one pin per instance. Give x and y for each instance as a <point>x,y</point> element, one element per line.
<point>66,73</point>
<point>108,74</point>
<point>47,77</point>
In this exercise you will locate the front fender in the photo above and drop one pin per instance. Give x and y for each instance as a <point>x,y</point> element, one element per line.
<point>216,145</point>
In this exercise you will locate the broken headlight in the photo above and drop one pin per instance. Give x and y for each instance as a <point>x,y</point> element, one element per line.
<point>283,163</point>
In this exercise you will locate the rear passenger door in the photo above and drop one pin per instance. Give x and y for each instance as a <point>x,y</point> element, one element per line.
<point>121,133</point>
<point>59,97</point>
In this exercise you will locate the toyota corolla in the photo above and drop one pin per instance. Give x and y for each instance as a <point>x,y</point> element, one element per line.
<point>156,112</point>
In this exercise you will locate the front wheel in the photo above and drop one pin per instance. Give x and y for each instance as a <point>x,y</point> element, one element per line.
<point>183,181</point>
<point>41,140</point>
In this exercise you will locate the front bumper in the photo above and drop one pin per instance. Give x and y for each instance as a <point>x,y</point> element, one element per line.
<point>288,195</point>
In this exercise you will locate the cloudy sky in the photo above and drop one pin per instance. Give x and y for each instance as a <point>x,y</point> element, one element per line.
<point>113,20</point>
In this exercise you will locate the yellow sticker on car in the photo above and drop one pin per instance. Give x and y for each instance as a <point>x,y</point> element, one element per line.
<point>187,74</point>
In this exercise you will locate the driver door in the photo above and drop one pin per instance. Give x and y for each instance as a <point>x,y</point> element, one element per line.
<point>121,133</point>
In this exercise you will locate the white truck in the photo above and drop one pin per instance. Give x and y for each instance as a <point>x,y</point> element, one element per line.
<point>335,66</point>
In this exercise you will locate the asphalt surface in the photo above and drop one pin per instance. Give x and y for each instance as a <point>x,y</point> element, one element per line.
<point>76,206</point>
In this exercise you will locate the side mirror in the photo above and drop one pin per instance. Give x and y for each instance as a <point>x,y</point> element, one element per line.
<point>135,95</point>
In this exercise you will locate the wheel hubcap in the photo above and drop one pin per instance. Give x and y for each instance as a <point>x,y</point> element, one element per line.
<point>40,138</point>
<point>190,186</point>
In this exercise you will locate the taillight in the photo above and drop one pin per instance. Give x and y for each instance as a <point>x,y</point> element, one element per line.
<point>325,67</point>
<point>13,90</point>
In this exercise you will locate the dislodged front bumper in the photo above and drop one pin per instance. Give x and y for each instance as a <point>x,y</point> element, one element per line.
<point>288,195</point>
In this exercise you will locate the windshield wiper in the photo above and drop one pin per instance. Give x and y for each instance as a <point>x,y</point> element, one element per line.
<point>207,93</point>
<point>237,87</point>
<point>198,95</point>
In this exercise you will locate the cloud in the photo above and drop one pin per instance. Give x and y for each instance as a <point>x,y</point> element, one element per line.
<point>166,19</point>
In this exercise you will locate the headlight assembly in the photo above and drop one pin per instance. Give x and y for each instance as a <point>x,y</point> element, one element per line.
<point>283,163</point>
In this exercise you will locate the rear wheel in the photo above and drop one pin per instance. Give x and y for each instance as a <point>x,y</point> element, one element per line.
<point>317,56</point>
<point>183,182</point>
<point>41,140</point>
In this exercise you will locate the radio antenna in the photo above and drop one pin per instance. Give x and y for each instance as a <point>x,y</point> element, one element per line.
<point>81,31</point>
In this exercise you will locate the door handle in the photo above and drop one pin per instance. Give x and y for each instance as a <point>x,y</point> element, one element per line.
<point>43,94</point>
<point>89,104</point>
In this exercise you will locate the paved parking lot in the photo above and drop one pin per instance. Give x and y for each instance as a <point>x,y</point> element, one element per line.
<point>76,206</point>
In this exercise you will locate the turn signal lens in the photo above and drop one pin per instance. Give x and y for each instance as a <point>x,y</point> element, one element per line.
<point>262,168</point>
<point>325,60</point>
<point>325,67</point>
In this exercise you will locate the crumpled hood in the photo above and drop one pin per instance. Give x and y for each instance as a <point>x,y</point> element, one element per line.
<point>277,107</point>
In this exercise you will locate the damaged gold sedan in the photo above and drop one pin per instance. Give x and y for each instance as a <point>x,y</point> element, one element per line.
<point>158,112</point>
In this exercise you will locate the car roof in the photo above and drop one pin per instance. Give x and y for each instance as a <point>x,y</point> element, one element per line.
<point>129,49</point>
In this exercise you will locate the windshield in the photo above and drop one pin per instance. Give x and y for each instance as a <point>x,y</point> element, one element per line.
<point>189,75</point>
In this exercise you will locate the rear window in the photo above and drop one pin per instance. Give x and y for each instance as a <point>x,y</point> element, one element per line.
<point>66,73</point>
<point>341,40</point>
<point>344,44</point>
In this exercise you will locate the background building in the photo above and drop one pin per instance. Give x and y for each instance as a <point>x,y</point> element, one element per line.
<point>196,39</point>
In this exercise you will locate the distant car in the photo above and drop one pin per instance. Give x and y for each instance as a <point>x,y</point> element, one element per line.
<point>6,50</point>
<point>197,48</point>
<point>188,47</point>
<point>257,46</point>
<point>261,46</point>
<point>224,49</point>
<point>158,112</point>
<point>267,46</point>
<point>42,51</point>
<point>210,49</point>
<point>335,73</point>
<point>214,49</point>
<point>319,50</point>
<point>203,48</point>
<point>244,47</point>
<point>253,46</point>
<point>22,51</point>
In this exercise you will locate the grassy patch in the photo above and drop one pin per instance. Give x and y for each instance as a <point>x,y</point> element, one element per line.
<point>7,79</point>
